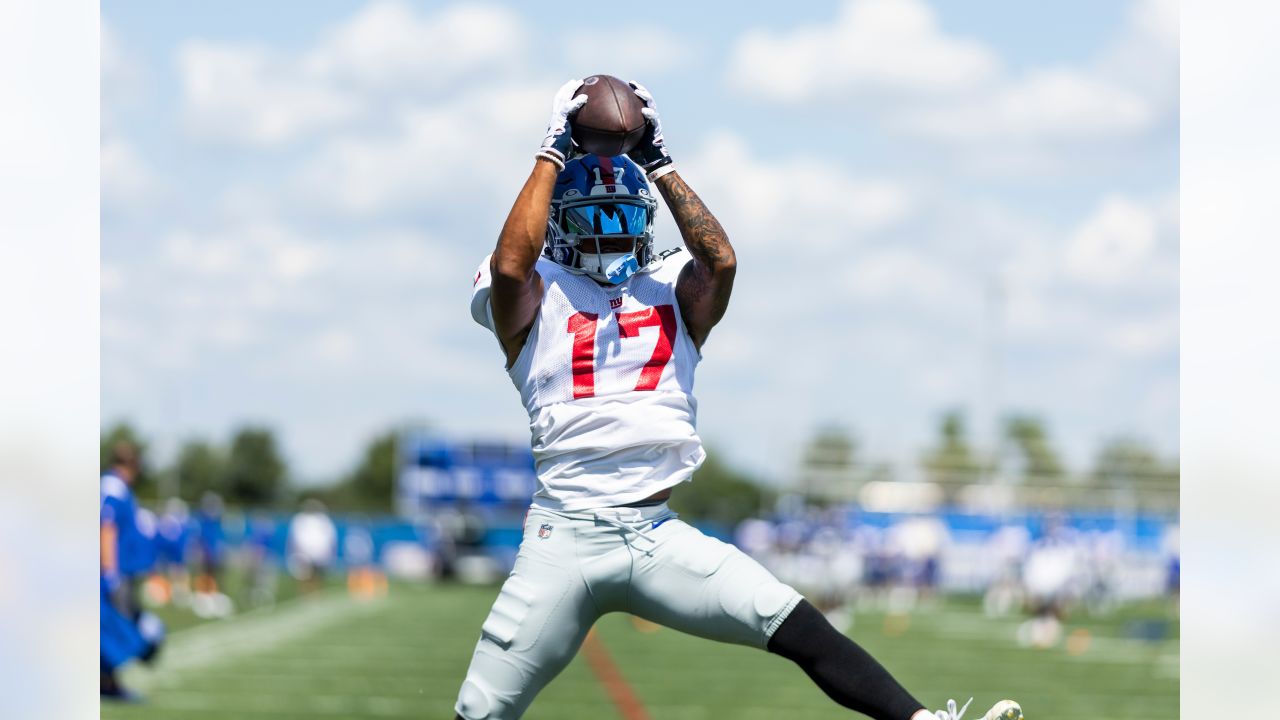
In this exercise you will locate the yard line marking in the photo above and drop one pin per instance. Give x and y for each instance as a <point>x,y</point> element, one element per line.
<point>246,635</point>
<point>214,625</point>
<point>1168,667</point>
<point>272,705</point>
<point>607,672</point>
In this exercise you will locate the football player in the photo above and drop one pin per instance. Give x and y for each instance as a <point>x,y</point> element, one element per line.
<point>601,336</point>
<point>126,631</point>
<point>209,538</point>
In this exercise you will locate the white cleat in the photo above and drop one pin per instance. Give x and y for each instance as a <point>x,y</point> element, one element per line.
<point>1003,710</point>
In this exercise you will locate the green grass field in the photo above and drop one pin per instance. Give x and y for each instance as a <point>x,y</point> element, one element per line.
<point>404,655</point>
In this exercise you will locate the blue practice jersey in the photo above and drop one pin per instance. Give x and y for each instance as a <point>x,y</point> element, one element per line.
<point>172,535</point>
<point>209,530</point>
<point>135,550</point>
<point>117,508</point>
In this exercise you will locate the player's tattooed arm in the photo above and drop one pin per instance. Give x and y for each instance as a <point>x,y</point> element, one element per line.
<point>517,287</point>
<point>706,282</point>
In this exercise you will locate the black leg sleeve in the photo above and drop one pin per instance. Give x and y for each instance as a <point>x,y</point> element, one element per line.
<point>844,671</point>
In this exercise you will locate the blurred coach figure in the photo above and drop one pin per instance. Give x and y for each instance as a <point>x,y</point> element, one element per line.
<point>313,545</point>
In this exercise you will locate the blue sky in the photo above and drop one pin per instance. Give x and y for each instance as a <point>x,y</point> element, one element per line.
<point>295,196</point>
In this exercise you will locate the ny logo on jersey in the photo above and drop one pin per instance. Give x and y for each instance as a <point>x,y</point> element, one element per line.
<point>615,303</point>
<point>544,532</point>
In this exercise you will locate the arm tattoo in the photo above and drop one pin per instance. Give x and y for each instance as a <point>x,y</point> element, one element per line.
<point>706,283</point>
<point>702,234</point>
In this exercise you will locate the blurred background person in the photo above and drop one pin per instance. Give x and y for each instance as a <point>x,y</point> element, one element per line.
<point>172,580</point>
<point>126,552</point>
<point>261,569</point>
<point>921,540</point>
<point>312,545</point>
<point>1173,567</point>
<point>209,540</point>
<point>1005,551</point>
<point>1051,579</point>
<point>209,600</point>
<point>364,579</point>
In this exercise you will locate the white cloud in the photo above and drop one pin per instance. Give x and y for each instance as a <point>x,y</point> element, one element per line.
<point>111,278</point>
<point>664,52</point>
<point>1147,337</point>
<point>192,254</point>
<point>801,198</point>
<point>250,95</point>
<point>113,63</point>
<point>335,345</point>
<point>1047,117</point>
<point>359,71</point>
<point>229,332</point>
<point>123,76</point>
<point>243,282</point>
<point>1159,20</point>
<point>118,71</point>
<point>1103,293</point>
<point>389,46</point>
<point>903,274</point>
<point>958,94</point>
<point>1146,53</point>
<point>295,261</point>
<point>892,47</point>
<point>1113,244</point>
<point>1047,105</point>
<point>128,182</point>
<point>468,147</point>
<point>393,101</point>
<point>272,252</point>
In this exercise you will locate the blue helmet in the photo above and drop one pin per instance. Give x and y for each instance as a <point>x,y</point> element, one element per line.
<point>599,197</point>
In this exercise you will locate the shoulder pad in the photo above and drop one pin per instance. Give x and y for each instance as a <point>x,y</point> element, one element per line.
<point>480,293</point>
<point>667,266</point>
<point>114,487</point>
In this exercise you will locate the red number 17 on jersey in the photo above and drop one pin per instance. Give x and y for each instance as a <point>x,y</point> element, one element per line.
<point>582,326</point>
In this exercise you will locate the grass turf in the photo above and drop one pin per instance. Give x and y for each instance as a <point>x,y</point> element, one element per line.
<point>403,656</point>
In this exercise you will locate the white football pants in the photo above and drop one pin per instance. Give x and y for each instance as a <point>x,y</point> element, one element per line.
<point>574,567</point>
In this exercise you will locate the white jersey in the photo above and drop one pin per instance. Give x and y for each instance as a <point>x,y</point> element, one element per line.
<point>606,375</point>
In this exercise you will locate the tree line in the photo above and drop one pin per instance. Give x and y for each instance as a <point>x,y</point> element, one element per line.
<point>248,469</point>
<point>1025,457</point>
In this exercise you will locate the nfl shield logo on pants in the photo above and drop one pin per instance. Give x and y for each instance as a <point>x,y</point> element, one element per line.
<point>544,532</point>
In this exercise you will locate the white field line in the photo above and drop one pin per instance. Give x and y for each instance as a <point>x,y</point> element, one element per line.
<point>1101,649</point>
<point>273,704</point>
<point>976,626</point>
<point>254,632</point>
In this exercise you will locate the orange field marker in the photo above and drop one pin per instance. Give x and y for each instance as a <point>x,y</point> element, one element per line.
<point>607,672</point>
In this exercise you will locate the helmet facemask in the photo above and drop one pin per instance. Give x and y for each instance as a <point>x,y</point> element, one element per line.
<point>606,233</point>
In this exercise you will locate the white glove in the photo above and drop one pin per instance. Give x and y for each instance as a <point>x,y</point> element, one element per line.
<point>558,141</point>
<point>651,152</point>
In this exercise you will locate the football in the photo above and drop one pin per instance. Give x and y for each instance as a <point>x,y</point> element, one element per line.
<point>610,123</point>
